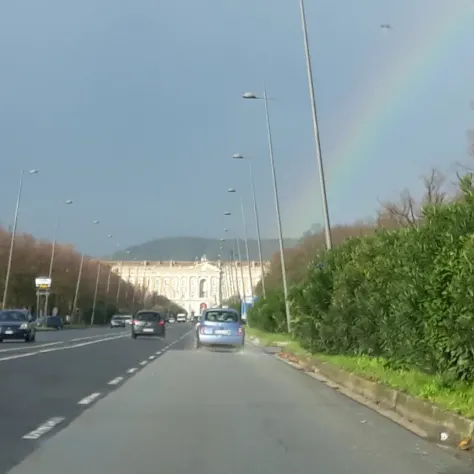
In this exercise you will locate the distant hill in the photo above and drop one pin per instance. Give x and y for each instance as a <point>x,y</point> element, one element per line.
<point>192,248</point>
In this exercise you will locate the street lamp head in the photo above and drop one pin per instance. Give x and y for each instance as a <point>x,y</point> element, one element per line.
<point>250,95</point>
<point>109,236</point>
<point>33,171</point>
<point>227,213</point>
<point>128,252</point>
<point>237,156</point>
<point>95,222</point>
<point>231,190</point>
<point>226,230</point>
<point>69,201</point>
<point>222,240</point>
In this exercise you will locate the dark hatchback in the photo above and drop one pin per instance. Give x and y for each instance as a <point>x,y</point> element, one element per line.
<point>148,323</point>
<point>17,324</point>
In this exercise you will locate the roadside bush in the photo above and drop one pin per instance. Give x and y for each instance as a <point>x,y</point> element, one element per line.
<point>405,295</point>
<point>268,314</point>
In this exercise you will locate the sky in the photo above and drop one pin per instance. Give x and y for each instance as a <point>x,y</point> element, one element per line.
<point>133,110</point>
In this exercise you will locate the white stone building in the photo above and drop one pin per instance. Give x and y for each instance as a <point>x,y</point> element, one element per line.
<point>192,285</point>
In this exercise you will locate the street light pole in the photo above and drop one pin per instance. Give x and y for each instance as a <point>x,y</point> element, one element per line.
<point>51,261</point>
<point>12,241</point>
<point>277,202</point>
<point>95,294</point>
<point>319,159</point>
<point>237,240</point>
<point>119,282</point>
<point>257,221</point>
<point>246,240</point>
<point>78,284</point>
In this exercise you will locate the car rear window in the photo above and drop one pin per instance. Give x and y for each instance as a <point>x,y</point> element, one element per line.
<point>115,318</point>
<point>222,316</point>
<point>149,317</point>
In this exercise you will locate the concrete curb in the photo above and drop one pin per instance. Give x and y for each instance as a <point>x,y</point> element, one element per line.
<point>430,421</point>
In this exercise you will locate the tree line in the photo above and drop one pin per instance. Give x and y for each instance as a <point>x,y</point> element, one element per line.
<point>31,259</point>
<point>399,287</point>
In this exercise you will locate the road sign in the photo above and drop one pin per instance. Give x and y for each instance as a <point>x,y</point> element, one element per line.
<point>43,283</point>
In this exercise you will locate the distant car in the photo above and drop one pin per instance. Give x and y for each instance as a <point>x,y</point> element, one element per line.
<point>55,322</point>
<point>17,324</point>
<point>117,321</point>
<point>171,319</point>
<point>128,319</point>
<point>148,323</point>
<point>220,327</point>
<point>181,318</point>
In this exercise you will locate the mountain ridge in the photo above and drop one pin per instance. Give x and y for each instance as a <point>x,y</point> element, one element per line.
<point>186,249</point>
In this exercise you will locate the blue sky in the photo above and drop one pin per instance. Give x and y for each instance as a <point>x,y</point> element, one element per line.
<point>133,110</point>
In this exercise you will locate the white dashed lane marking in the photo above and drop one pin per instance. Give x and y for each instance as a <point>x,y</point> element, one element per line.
<point>116,381</point>
<point>44,428</point>
<point>151,357</point>
<point>144,362</point>
<point>132,370</point>
<point>89,399</point>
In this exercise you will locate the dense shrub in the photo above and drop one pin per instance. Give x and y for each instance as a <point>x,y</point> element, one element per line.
<point>405,295</point>
<point>31,259</point>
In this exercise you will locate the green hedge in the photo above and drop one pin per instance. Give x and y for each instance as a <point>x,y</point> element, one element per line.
<point>406,295</point>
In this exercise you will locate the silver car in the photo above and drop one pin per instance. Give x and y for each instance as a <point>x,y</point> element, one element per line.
<point>221,327</point>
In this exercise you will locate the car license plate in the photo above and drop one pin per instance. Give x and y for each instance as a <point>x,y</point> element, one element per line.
<point>221,332</point>
<point>148,330</point>
<point>8,331</point>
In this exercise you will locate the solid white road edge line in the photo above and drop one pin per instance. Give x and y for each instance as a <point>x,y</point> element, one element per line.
<point>44,428</point>
<point>116,381</point>
<point>19,356</point>
<point>89,399</point>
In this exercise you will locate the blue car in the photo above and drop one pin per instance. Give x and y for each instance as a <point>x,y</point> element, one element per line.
<point>220,327</point>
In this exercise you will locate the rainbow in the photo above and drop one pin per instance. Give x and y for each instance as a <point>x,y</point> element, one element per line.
<point>438,33</point>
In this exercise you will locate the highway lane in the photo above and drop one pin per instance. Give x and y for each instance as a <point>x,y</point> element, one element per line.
<point>47,337</point>
<point>212,413</point>
<point>64,381</point>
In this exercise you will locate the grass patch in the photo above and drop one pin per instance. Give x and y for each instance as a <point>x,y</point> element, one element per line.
<point>457,397</point>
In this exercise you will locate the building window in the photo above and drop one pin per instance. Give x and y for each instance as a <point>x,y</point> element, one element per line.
<point>203,289</point>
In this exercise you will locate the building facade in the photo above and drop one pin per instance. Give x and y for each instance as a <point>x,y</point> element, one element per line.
<point>192,285</point>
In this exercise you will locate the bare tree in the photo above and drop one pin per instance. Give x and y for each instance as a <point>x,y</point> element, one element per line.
<point>408,212</point>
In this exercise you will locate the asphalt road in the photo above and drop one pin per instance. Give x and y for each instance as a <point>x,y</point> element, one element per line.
<point>47,337</point>
<point>47,381</point>
<point>218,412</point>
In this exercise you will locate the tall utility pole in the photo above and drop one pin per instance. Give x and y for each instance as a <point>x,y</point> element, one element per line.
<point>220,282</point>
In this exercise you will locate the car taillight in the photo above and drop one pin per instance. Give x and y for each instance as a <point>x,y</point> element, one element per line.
<point>135,321</point>
<point>201,329</point>
<point>161,323</point>
<point>240,331</point>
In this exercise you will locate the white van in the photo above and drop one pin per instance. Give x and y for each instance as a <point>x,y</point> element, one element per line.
<point>181,318</point>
